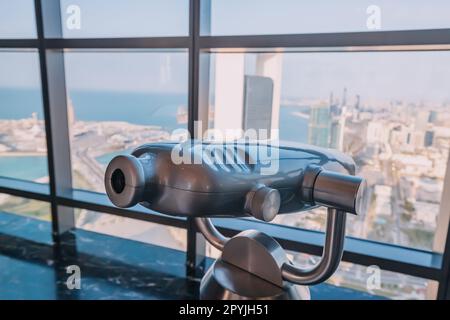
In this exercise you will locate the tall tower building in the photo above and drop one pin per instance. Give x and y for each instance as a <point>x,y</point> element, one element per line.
<point>422,120</point>
<point>335,106</point>
<point>356,109</point>
<point>344,97</point>
<point>319,126</point>
<point>337,129</point>
<point>70,112</point>
<point>428,139</point>
<point>432,118</point>
<point>357,103</point>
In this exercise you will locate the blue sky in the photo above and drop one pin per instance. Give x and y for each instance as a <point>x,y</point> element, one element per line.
<point>306,16</point>
<point>170,17</point>
<point>401,75</point>
<point>17,19</point>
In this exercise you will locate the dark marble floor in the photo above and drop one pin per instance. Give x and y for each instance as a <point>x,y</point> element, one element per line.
<point>31,267</point>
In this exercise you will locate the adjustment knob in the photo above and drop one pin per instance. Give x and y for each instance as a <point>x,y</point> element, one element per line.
<point>263,203</point>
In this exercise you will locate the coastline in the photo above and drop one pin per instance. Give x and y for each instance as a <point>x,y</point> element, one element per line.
<point>23,154</point>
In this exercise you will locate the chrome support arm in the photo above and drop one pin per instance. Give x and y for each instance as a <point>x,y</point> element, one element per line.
<point>331,255</point>
<point>214,237</point>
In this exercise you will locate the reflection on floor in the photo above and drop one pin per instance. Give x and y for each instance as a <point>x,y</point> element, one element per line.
<point>31,267</point>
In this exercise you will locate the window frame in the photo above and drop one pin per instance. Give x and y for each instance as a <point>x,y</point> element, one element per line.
<point>63,198</point>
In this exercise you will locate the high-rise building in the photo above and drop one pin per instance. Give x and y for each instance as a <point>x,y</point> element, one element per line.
<point>344,97</point>
<point>337,133</point>
<point>421,122</point>
<point>429,137</point>
<point>432,118</point>
<point>319,125</point>
<point>377,132</point>
<point>357,103</point>
<point>356,108</point>
<point>335,106</point>
<point>70,112</point>
<point>258,97</point>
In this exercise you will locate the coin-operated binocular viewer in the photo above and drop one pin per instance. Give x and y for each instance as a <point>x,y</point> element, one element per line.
<point>228,180</point>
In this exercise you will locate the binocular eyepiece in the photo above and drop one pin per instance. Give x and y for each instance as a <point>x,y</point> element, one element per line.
<point>306,178</point>
<point>125,181</point>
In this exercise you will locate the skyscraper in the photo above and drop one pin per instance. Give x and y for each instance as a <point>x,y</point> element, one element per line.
<point>344,97</point>
<point>337,128</point>
<point>429,137</point>
<point>319,125</point>
<point>433,116</point>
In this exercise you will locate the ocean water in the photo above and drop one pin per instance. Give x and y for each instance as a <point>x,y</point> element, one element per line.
<point>293,127</point>
<point>25,168</point>
<point>133,107</point>
<point>137,108</point>
<point>20,103</point>
<point>107,157</point>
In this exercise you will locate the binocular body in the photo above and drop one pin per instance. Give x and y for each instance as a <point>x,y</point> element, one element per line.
<point>200,180</point>
<point>223,180</point>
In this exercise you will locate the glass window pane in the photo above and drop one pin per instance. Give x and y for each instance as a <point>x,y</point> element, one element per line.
<point>124,18</point>
<point>17,19</point>
<point>388,110</point>
<point>119,100</point>
<point>23,151</point>
<point>25,207</point>
<point>357,282</point>
<point>369,282</point>
<point>132,229</point>
<point>253,17</point>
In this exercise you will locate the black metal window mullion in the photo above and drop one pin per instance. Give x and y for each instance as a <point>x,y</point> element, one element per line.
<point>444,283</point>
<point>329,40</point>
<point>47,120</point>
<point>196,245</point>
<point>48,21</point>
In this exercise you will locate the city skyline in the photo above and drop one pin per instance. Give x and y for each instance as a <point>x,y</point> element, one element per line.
<point>418,76</point>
